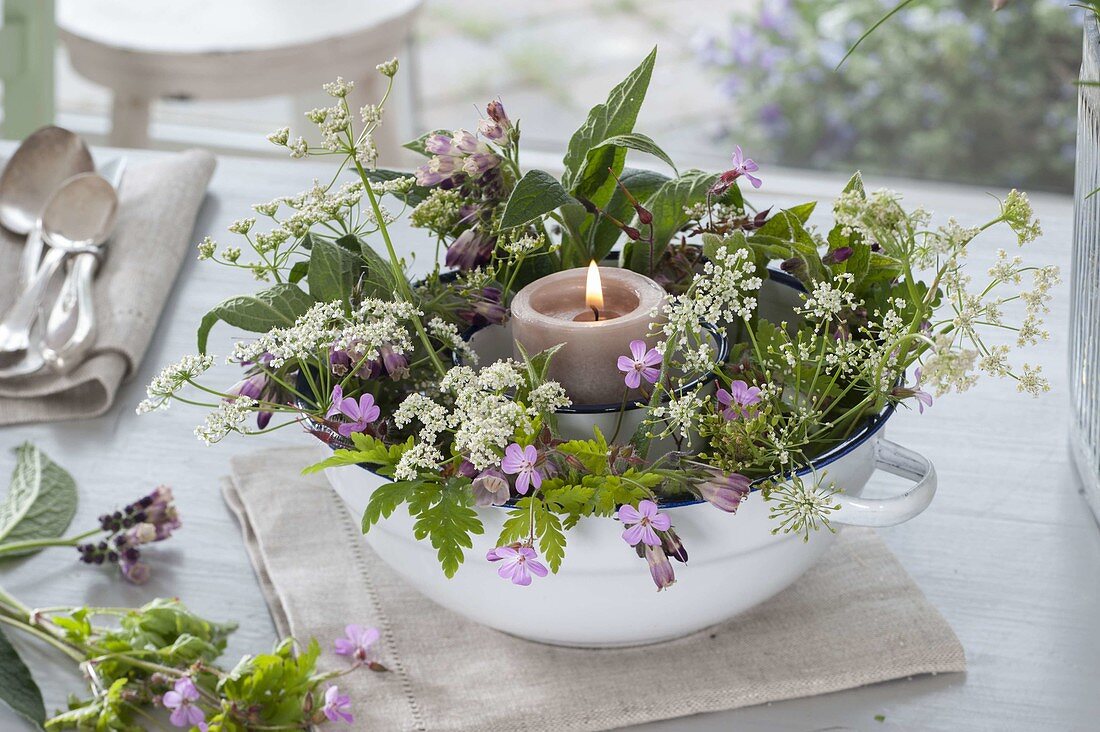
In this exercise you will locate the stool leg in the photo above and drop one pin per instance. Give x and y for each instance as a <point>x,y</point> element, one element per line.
<point>129,121</point>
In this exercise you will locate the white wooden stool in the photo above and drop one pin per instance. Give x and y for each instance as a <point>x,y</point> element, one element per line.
<point>211,49</point>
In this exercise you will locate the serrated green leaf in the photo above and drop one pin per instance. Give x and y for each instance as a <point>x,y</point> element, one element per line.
<point>855,183</point>
<point>592,453</point>
<point>368,450</point>
<point>41,499</point>
<point>385,500</point>
<point>333,271</point>
<point>277,306</point>
<point>537,194</point>
<point>616,116</point>
<point>667,205</point>
<point>551,538</point>
<point>448,522</point>
<point>17,686</point>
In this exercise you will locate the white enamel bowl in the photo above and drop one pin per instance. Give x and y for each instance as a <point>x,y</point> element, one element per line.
<point>603,595</point>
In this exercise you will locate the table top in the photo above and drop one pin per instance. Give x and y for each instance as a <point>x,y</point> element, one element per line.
<point>204,26</point>
<point>1008,551</point>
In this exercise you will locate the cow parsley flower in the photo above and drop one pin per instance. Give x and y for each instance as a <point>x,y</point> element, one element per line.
<point>171,379</point>
<point>228,417</point>
<point>339,88</point>
<point>800,506</point>
<point>1018,214</point>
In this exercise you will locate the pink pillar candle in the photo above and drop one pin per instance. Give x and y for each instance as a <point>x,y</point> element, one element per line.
<point>557,309</point>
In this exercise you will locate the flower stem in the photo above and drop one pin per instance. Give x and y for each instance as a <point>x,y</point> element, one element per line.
<point>19,546</point>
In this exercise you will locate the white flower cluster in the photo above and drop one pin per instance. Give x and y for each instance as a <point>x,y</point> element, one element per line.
<point>519,246</point>
<point>439,211</point>
<point>878,216</point>
<point>724,292</point>
<point>943,245</point>
<point>447,334</point>
<point>482,420</point>
<point>228,417</point>
<point>373,324</point>
<point>949,367</point>
<point>548,397</point>
<point>1036,305</point>
<point>1018,214</point>
<point>680,414</point>
<point>171,379</point>
<point>829,299</point>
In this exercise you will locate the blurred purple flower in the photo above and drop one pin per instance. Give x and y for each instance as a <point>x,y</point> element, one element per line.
<point>181,700</point>
<point>337,706</point>
<point>485,309</point>
<point>357,643</point>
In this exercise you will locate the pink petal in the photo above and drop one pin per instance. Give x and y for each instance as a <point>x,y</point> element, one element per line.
<point>523,481</point>
<point>724,397</point>
<point>625,364</point>
<point>172,699</point>
<point>649,536</point>
<point>661,522</point>
<point>628,514</point>
<point>633,379</point>
<point>536,479</point>
<point>637,349</point>
<point>531,454</point>
<point>179,717</point>
<point>634,534</point>
<point>344,647</point>
<point>647,508</point>
<point>651,375</point>
<point>537,567</point>
<point>652,358</point>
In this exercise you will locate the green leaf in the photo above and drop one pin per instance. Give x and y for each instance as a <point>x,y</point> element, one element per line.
<point>17,686</point>
<point>299,271</point>
<point>413,197</point>
<point>536,194</point>
<point>616,116</point>
<point>41,500</point>
<point>378,279</point>
<point>333,271</point>
<point>595,174</point>
<point>667,205</point>
<point>855,183</point>
<point>385,500</point>
<point>417,145</point>
<point>448,523</point>
<point>550,536</point>
<point>369,450</point>
<point>642,184</point>
<point>592,453</point>
<point>277,306</point>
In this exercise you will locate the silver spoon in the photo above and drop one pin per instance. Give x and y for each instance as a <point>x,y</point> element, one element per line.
<point>71,328</point>
<point>45,160</point>
<point>78,218</point>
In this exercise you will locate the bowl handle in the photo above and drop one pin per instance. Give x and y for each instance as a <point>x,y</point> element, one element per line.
<point>902,461</point>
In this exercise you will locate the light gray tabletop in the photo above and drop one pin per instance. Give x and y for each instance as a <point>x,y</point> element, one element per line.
<point>1008,551</point>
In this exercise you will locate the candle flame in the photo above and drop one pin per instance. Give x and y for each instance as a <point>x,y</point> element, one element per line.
<point>593,291</point>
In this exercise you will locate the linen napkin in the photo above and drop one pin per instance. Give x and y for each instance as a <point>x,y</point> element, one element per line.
<point>157,208</point>
<point>856,618</point>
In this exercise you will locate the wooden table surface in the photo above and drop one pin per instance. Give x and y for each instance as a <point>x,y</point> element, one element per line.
<point>1008,551</point>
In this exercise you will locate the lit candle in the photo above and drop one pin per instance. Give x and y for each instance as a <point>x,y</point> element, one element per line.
<point>596,312</point>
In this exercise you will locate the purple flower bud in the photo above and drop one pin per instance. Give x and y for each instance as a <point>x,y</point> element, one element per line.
<point>659,567</point>
<point>496,112</point>
<point>250,387</point>
<point>498,126</point>
<point>838,255</point>
<point>490,488</point>
<point>725,490</point>
<point>471,249</point>
<point>478,163</point>
<point>486,309</point>
<point>135,571</point>
<point>393,363</point>
<point>466,143</point>
<point>670,542</point>
<point>440,144</point>
<point>466,469</point>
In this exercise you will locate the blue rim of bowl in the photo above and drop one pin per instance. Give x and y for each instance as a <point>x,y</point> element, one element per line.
<point>722,351</point>
<point>871,427</point>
